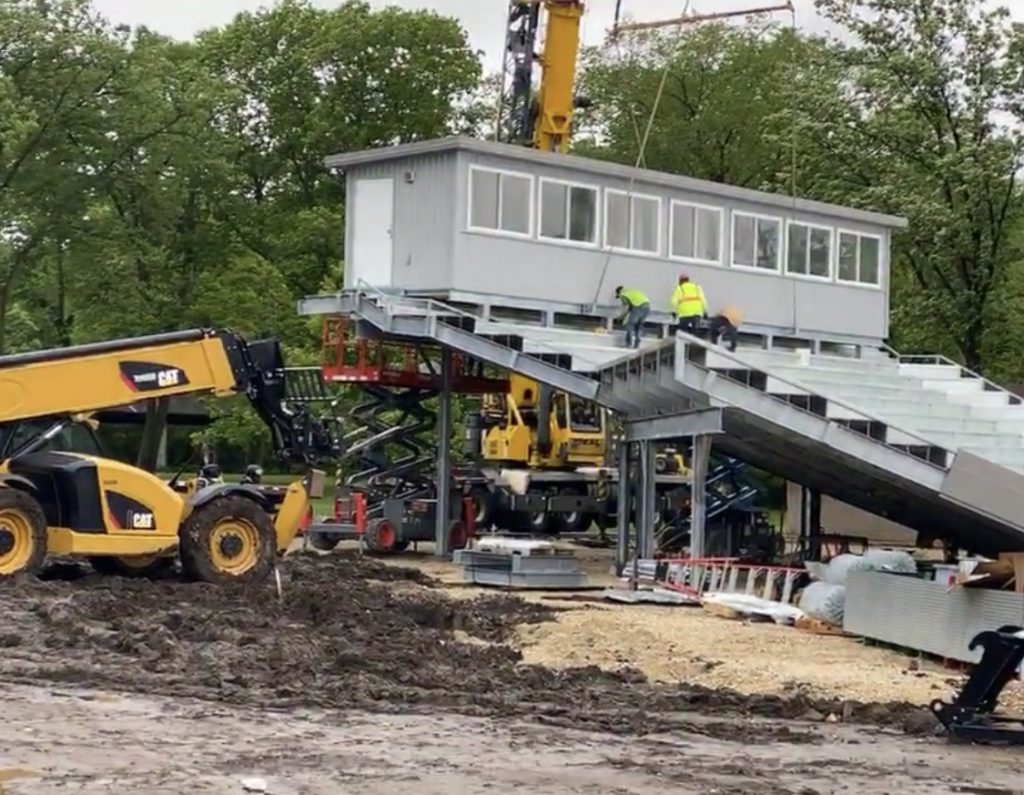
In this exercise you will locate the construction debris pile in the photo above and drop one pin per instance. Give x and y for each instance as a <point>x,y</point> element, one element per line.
<point>345,635</point>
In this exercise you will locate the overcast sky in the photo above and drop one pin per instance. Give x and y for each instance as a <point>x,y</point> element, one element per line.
<point>483,19</point>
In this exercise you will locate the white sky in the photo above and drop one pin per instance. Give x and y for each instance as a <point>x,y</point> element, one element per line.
<point>483,19</point>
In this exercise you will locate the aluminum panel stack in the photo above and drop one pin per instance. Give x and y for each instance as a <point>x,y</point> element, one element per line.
<point>926,615</point>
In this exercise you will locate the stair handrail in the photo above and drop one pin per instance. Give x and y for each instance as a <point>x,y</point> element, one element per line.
<point>940,358</point>
<point>436,308</point>
<point>817,391</point>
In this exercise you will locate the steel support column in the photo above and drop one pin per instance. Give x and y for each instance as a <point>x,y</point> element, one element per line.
<point>646,498</point>
<point>698,495</point>
<point>625,502</point>
<point>443,468</point>
<point>810,522</point>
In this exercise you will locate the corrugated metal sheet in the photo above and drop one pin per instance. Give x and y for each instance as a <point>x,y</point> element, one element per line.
<point>925,615</point>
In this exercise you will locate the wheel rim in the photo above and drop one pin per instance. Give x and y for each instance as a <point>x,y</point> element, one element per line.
<point>16,544</point>
<point>234,546</point>
<point>385,535</point>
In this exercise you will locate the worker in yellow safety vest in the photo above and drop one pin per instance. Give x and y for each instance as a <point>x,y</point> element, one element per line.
<point>689,304</point>
<point>636,308</point>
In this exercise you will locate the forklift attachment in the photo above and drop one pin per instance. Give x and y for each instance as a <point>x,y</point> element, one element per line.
<point>971,716</point>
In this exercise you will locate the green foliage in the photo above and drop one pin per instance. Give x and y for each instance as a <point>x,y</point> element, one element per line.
<point>148,185</point>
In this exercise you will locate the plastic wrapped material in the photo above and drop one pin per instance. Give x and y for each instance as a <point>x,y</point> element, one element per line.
<point>841,565</point>
<point>825,602</point>
<point>890,560</point>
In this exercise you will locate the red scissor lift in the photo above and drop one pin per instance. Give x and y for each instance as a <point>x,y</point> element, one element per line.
<point>388,493</point>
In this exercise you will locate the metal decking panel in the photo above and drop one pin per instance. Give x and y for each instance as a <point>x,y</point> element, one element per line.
<point>928,616</point>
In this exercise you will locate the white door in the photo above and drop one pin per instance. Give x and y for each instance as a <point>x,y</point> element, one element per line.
<point>372,245</point>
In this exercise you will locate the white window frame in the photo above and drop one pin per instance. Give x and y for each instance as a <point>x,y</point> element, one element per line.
<point>732,242</point>
<point>673,203</point>
<point>857,283</point>
<point>566,241</point>
<point>608,192</point>
<point>833,251</point>
<point>486,230</point>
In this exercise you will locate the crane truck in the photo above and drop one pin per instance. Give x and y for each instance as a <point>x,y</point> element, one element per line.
<point>125,519</point>
<point>545,457</point>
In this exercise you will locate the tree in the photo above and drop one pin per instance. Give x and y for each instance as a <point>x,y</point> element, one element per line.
<point>929,127</point>
<point>726,110</point>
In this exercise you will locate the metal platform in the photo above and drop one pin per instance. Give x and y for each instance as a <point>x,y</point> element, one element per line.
<point>757,411</point>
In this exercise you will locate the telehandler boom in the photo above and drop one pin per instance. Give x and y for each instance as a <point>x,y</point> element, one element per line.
<point>123,518</point>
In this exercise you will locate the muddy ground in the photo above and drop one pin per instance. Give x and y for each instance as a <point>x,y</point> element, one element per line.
<point>341,641</point>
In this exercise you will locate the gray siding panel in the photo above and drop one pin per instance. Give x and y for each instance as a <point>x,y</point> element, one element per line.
<point>926,615</point>
<point>424,228</point>
<point>434,251</point>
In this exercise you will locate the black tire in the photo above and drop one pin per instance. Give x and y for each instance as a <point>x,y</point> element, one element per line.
<point>126,567</point>
<point>323,542</point>
<point>381,536</point>
<point>483,506</point>
<point>22,534</point>
<point>570,522</point>
<point>207,551</point>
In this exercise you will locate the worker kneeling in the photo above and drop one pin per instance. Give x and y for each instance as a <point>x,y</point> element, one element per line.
<point>689,304</point>
<point>726,323</point>
<point>636,308</point>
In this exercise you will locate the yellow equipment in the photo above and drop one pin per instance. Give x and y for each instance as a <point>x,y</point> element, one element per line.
<point>125,519</point>
<point>533,426</point>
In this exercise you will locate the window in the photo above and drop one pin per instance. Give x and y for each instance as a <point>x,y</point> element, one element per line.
<point>859,258</point>
<point>632,222</point>
<point>755,241</point>
<point>696,232</point>
<point>809,250</point>
<point>568,212</point>
<point>500,201</point>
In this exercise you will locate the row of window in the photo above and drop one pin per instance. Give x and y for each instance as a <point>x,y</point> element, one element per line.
<point>502,201</point>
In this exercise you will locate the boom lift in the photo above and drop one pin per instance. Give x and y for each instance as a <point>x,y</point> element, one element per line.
<point>125,519</point>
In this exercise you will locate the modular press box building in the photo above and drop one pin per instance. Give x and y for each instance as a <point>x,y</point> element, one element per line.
<point>462,216</point>
<point>475,225</point>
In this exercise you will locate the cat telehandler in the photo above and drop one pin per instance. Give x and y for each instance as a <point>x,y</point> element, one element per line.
<point>124,519</point>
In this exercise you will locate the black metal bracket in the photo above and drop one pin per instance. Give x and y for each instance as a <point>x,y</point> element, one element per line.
<point>971,717</point>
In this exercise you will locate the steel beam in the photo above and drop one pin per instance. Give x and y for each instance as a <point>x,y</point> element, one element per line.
<point>698,495</point>
<point>676,426</point>
<point>443,470</point>
<point>625,501</point>
<point>645,525</point>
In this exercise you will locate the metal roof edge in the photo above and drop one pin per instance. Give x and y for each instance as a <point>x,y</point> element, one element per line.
<point>590,165</point>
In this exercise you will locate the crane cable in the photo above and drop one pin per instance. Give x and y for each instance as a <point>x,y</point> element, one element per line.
<point>643,142</point>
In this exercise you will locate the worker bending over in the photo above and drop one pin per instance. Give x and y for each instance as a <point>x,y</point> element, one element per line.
<point>689,304</point>
<point>726,323</point>
<point>636,308</point>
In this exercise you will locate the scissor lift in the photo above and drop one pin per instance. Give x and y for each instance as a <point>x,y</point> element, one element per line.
<point>388,494</point>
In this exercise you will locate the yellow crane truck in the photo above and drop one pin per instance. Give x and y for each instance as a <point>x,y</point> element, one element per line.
<point>125,519</point>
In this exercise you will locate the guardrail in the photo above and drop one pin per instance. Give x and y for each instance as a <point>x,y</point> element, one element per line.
<point>941,359</point>
<point>433,307</point>
<point>743,365</point>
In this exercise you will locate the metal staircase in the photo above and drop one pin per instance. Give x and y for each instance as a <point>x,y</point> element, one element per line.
<point>851,433</point>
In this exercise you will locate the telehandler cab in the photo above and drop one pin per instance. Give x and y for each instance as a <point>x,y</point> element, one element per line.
<point>122,518</point>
